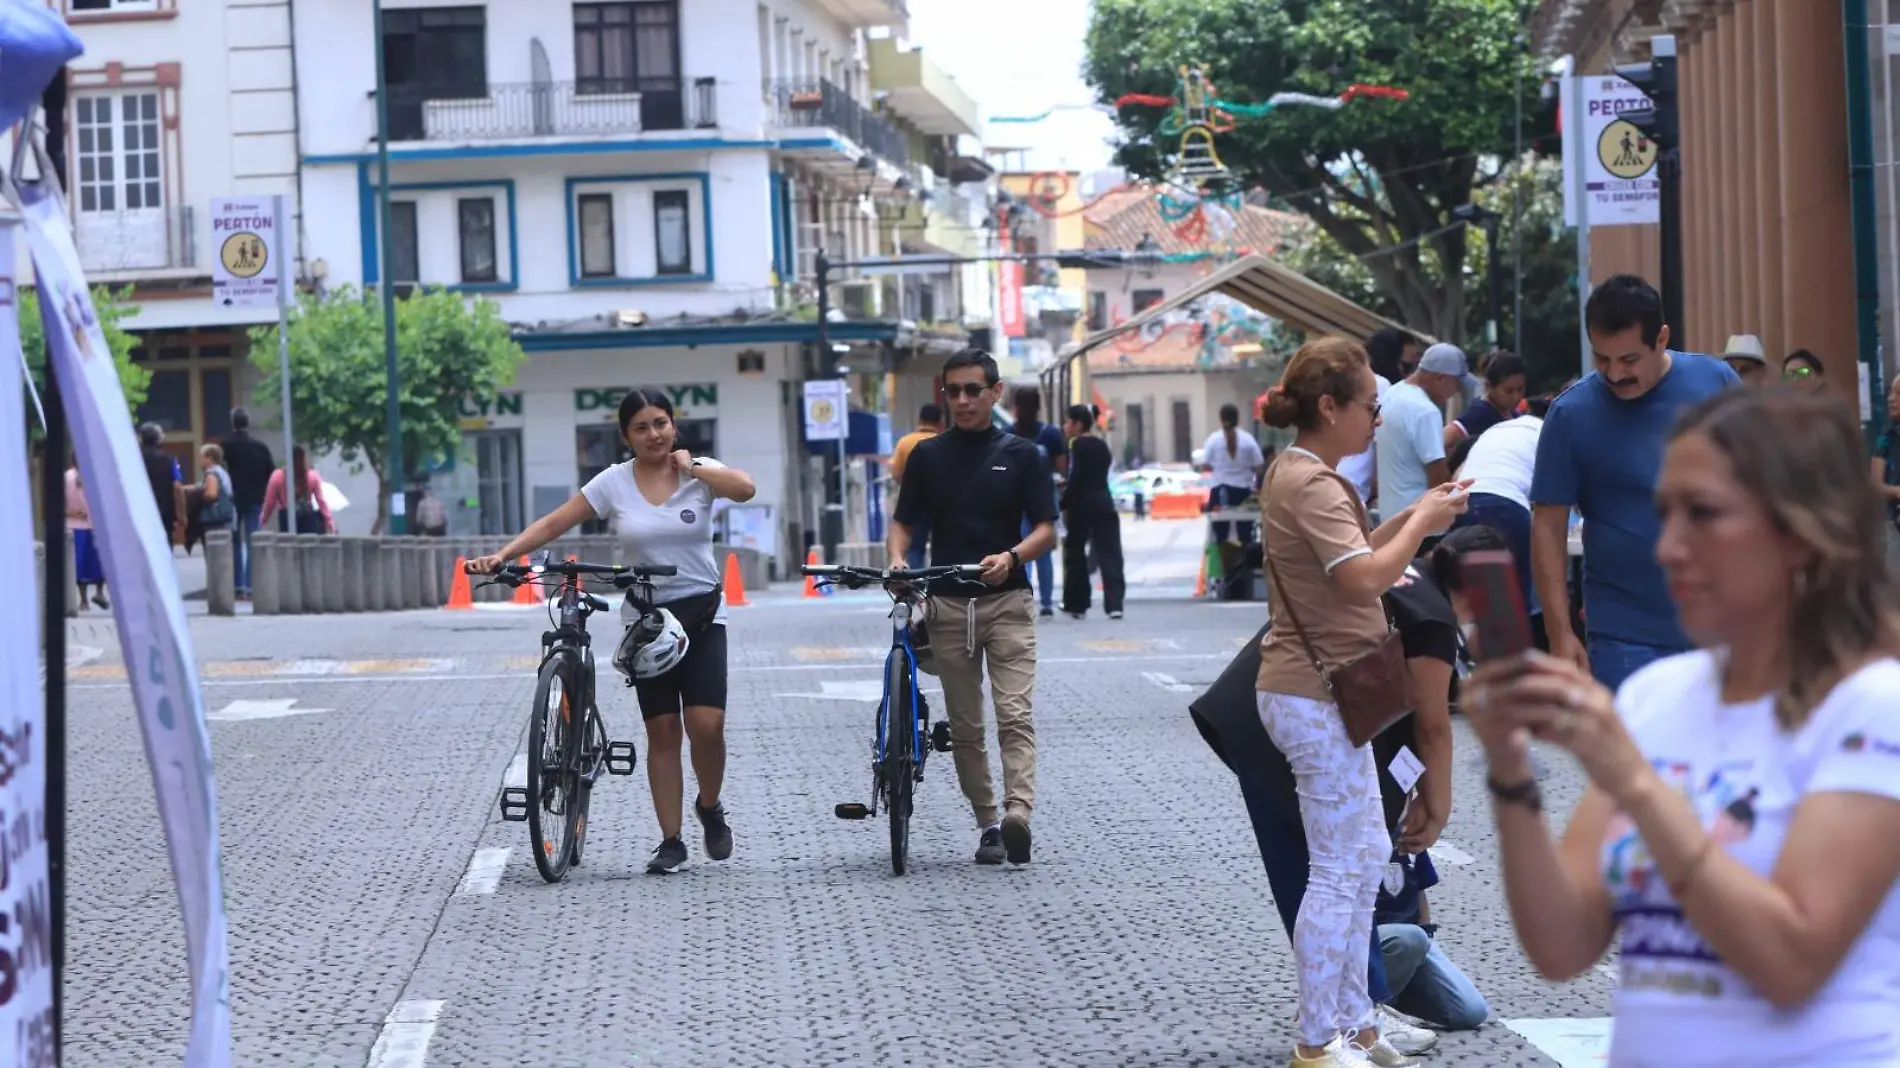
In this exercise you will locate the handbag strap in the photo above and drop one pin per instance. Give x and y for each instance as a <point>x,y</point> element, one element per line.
<point>1272,569</point>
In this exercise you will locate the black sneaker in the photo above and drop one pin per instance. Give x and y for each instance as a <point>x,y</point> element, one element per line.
<point>1114,615</point>
<point>989,848</point>
<point>1015,835</point>
<point>669,858</point>
<point>718,831</point>
<point>1048,612</point>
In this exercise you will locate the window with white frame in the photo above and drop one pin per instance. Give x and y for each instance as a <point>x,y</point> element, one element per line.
<point>639,228</point>
<point>118,139</point>
<point>597,235</point>
<point>475,224</point>
<point>78,6</point>
<point>672,232</point>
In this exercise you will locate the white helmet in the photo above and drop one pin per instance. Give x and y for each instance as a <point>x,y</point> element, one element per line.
<point>652,647</point>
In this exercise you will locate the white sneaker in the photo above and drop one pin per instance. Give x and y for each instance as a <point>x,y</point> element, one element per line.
<point>1338,1053</point>
<point>1403,1035</point>
<point>1382,1054</point>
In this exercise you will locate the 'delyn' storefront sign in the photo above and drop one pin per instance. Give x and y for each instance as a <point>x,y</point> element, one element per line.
<point>699,401</point>
<point>480,413</point>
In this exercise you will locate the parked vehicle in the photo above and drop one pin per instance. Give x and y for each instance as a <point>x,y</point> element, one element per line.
<point>1156,479</point>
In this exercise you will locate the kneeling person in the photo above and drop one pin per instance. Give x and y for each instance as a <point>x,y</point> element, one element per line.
<point>974,486</point>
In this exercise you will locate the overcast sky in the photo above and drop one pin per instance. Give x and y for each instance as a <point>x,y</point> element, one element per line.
<point>1018,57</point>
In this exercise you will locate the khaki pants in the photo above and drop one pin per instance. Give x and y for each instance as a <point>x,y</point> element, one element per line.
<point>1005,636</point>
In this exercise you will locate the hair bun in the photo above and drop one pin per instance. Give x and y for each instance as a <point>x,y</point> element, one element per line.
<point>1280,409</point>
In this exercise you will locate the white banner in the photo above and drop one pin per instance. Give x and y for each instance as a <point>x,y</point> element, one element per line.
<point>245,272</point>
<point>153,639</point>
<point>26,932</point>
<point>1619,162</point>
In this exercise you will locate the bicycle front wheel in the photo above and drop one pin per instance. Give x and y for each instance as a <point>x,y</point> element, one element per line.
<point>900,725</point>
<point>593,756</point>
<point>554,787</point>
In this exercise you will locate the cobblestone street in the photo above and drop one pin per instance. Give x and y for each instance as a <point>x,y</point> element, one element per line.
<point>374,893</point>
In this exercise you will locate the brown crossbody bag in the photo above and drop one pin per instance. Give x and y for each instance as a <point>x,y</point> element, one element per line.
<point>1373,691</point>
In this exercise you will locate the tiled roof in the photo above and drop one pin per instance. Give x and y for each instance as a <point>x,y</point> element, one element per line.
<point>1122,217</point>
<point>1176,348</point>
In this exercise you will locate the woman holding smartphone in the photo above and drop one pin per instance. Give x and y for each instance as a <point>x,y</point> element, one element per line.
<point>1329,570</point>
<point>1741,832</point>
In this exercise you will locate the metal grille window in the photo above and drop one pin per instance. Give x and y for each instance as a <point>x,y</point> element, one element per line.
<point>672,233</point>
<point>476,222</point>
<point>626,47</point>
<point>597,235</point>
<point>404,259</point>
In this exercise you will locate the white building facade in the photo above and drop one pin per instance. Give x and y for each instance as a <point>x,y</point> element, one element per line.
<point>640,186</point>
<point>174,104</point>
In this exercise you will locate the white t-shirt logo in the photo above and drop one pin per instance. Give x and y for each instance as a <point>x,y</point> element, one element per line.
<point>687,516</point>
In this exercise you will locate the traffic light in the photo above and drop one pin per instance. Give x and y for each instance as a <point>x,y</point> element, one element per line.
<point>1661,123</point>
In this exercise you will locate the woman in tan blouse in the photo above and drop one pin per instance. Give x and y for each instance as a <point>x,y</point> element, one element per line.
<point>1331,572</point>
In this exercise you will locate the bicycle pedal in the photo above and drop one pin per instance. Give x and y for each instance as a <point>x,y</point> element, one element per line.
<point>940,736</point>
<point>621,758</point>
<point>852,810</point>
<point>514,804</point>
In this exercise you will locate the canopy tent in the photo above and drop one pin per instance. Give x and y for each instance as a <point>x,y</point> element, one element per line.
<point>1256,281</point>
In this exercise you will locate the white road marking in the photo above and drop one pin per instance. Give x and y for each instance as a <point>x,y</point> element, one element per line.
<point>485,870</point>
<point>270,708</point>
<point>1446,853</point>
<point>404,1041</point>
<point>1167,682</point>
<point>493,676</point>
<point>517,773</point>
<point>312,667</point>
<point>1571,1043</point>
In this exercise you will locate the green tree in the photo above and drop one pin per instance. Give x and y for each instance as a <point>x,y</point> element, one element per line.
<point>112,308</point>
<point>448,349</point>
<point>1549,344</point>
<point>1373,175</point>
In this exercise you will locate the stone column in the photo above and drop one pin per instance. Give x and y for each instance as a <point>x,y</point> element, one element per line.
<point>375,575</point>
<point>407,552</point>
<point>352,576</point>
<point>330,563</point>
<point>72,569</point>
<point>1816,217</point>
<point>1693,54</point>
<point>220,573</point>
<point>1748,146</point>
<point>310,566</point>
<point>1767,164</point>
<point>290,549</point>
<point>266,575</point>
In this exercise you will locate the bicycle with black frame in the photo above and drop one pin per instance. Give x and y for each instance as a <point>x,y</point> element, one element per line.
<point>565,762</point>
<point>899,749</point>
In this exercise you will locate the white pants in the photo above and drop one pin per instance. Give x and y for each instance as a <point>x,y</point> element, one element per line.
<point>1347,847</point>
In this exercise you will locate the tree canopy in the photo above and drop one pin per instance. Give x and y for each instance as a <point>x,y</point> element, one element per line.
<point>112,308</point>
<point>1380,178</point>
<point>448,348</point>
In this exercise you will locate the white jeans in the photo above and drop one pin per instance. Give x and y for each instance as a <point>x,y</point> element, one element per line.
<point>1347,847</point>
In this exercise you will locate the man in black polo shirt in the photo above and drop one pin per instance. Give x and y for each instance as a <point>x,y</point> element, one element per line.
<point>974,485</point>
<point>250,464</point>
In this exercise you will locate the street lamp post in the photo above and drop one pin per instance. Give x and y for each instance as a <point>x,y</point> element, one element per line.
<point>1487,220</point>
<point>392,411</point>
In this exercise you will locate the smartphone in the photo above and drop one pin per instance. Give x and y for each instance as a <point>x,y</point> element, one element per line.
<point>1490,586</point>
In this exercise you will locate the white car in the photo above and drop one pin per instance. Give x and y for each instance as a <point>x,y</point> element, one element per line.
<point>1149,481</point>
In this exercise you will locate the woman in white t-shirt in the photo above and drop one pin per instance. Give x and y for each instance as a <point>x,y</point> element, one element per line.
<point>1233,462</point>
<point>1741,832</point>
<point>660,503</point>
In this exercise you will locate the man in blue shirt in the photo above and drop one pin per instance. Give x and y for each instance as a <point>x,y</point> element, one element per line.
<point>1600,452</point>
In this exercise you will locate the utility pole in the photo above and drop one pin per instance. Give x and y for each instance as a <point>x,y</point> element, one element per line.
<point>1520,43</point>
<point>393,469</point>
<point>831,519</point>
<point>1661,122</point>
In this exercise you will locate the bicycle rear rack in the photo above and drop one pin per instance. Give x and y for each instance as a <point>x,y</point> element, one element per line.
<point>514,804</point>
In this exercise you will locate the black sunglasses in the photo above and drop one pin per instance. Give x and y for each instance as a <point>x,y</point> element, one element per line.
<point>971,390</point>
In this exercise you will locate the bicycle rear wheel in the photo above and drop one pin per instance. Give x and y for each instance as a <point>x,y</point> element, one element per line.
<point>900,723</point>
<point>554,804</point>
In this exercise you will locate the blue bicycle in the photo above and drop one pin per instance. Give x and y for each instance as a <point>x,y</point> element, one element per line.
<point>903,716</point>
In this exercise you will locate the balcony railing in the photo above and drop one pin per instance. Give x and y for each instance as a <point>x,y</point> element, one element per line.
<point>818,104</point>
<point>591,107</point>
<point>128,241</point>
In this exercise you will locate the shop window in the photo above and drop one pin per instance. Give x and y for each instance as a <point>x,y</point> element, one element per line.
<point>214,389</point>
<point>168,400</point>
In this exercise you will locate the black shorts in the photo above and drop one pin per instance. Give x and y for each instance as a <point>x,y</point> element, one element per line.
<point>697,681</point>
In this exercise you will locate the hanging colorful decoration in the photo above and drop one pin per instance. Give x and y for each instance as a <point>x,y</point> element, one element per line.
<point>1203,201</point>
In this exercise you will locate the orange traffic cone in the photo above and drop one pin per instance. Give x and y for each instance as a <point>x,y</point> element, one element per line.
<point>1200,581</point>
<point>460,595</point>
<point>527,592</point>
<point>811,584</point>
<point>735,582</point>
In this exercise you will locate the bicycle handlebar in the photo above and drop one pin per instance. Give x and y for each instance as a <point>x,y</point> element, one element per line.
<point>851,576</point>
<point>621,575</point>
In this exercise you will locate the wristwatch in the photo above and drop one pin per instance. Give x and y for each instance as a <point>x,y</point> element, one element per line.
<point>1017,557</point>
<point>692,467</point>
<point>1525,794</point>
